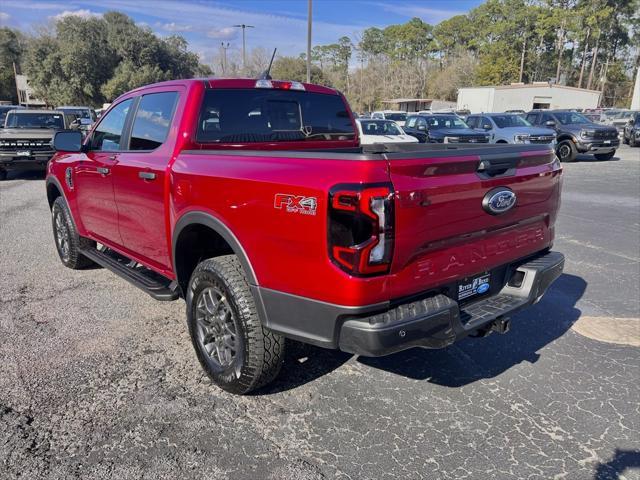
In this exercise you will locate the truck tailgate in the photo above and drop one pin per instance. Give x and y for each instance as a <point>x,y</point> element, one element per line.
<point>443,233</point>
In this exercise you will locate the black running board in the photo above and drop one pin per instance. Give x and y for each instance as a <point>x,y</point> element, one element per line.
<point>159,287</point>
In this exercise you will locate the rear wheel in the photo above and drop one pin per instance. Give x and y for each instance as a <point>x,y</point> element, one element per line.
<point>68,242</point>
<point>605,156</point>
<point>566,151</point>
<point>233,347</point>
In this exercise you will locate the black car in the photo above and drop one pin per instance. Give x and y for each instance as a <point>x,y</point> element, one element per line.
<point>577,134</point>
<point>631,132</point>
<point>442,128</point>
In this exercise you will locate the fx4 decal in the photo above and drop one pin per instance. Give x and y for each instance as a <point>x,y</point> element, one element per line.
<point>296,203</point>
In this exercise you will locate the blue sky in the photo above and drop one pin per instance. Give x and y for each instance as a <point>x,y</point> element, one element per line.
<point>205,24</point>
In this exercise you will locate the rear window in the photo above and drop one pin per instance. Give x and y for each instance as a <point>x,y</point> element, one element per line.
<point>272,116</point>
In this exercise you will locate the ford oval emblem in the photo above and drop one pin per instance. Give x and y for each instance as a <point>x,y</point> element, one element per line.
<point>499,200</point>
<point>483,288</point>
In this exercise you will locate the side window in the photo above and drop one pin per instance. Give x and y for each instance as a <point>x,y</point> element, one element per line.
<point>107,134</point>
<point>421,123</point>
<point>472,122</point>
<point>532,118</point>
<point>486,121</point>
<point>411,122</point>
<point>152,120</point>
<point>377,115</point>
<point>546,117</point>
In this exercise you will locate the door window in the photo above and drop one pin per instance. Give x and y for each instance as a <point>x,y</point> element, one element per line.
<point>152,120</point>
<point>108,133</point>
<point>532,118</point>
<point>472,122</point>
<point>547,117</point>
<point>411,122</point>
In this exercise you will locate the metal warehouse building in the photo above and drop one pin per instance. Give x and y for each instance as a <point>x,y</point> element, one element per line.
<point>520,96</point>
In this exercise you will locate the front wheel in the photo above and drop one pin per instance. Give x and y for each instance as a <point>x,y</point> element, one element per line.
<point>566,151</point>
<point>233,347</point>
<point>605,156</point>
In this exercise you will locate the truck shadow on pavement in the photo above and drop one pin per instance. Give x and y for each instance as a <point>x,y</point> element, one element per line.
<point>460,364</point>
<point>26,175</point>
<point>622,461</point>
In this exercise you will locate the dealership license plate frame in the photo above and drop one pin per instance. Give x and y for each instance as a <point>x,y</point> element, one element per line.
<point>470,288</point>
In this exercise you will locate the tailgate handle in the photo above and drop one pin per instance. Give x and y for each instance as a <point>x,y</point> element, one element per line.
<point>497,166</point>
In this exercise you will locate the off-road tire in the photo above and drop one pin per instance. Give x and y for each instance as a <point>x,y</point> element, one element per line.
<point>260,352</point>
<point>569,147</point>
<point>605,156</point>
<point>72,258</point>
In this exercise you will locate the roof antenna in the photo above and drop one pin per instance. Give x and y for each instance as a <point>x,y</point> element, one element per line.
<point>265,75</point>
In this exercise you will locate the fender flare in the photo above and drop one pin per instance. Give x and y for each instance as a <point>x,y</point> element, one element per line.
<point>202,218</point>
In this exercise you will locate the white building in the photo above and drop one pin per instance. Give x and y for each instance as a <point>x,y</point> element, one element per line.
<point>520,96</point>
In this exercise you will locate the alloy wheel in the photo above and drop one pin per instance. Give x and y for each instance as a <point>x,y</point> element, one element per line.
<point>216,327</point>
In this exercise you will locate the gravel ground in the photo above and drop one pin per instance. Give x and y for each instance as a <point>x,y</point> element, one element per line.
<point>97,380</point>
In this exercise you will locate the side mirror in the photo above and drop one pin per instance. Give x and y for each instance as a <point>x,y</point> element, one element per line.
<point>422,128</point>
<point>550,123</point>
<point>486,126</point>
<point>68,141</point>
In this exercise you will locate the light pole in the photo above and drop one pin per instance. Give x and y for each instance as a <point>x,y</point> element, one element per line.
<point>309,21</point>
<point>224,53</point>
<point>244,44</point>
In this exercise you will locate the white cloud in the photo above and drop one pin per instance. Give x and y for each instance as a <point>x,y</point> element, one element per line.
<point>4,17</point>
<point>226,33</point>
<point>431,16</point>
<point>174,27</point>
<point>82,13</point>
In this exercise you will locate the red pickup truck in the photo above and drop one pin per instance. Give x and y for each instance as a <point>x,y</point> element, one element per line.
<point>253,201</point>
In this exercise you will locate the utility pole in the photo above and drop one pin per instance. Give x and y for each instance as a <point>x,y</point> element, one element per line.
<point>309,21</point>
<point>224,56</point>
<point>244,43</point>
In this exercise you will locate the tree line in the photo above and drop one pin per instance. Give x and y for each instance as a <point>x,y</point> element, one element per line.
<point>89,61</point>
<point>584,43</point>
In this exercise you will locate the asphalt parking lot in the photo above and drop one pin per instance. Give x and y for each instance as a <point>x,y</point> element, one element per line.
<point>97,380</point>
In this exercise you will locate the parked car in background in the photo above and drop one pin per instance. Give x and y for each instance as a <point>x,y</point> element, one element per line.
<point>575,134</point>
<point>631,131</point>
<point>85,116</point>
<point>272,222</point>
<point>382,131</point>
<point>621,119</point>
<point>4,109</point>
<point>510,128</point>
<point>396,115</point>
<point>25,140</point>
<point>442,128</point>
<point>517,111</point>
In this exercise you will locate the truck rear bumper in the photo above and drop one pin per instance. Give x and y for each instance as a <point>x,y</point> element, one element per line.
<point>438,321</point>
<point>434,321</point>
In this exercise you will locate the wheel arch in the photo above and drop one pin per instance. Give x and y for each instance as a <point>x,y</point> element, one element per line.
<point>54,190</point>
<point>213,237</point>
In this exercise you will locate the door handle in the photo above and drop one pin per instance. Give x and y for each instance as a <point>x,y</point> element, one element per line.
<point>147,175</point>
<point>103,170</point>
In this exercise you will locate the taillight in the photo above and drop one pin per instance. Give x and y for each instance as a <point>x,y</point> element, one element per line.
<point>360,229</point>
